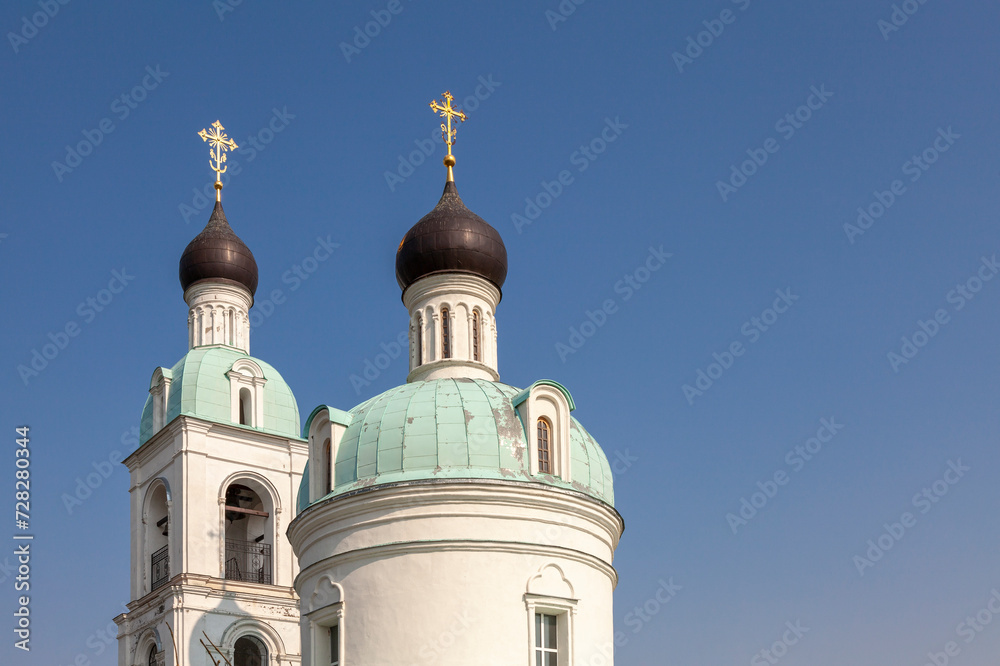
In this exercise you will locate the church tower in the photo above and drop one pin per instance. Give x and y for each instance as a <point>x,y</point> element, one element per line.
<point>455,519</point>
<point>214,479</point>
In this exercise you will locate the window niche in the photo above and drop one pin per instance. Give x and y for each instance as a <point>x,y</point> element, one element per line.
<point>246,383</point>
<point>549,600</point>
<point>544,409</point>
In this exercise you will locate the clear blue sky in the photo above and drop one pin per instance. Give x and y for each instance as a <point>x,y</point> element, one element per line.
<point>879,98</point>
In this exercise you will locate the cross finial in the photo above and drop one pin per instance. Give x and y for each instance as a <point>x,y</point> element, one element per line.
<point>219,143</point>
<point>447,132</point>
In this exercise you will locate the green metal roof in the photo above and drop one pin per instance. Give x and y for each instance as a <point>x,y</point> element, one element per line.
<point>199,387</point>
<point>452,428</point>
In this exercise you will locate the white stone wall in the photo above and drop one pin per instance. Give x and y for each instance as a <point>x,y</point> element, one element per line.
<point>462,295</point>
<point>452,572</point>
<point>218,315</point>
<point>198,460</point>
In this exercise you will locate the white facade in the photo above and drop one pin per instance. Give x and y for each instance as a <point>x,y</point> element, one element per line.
<point>454,573</point>
<point>453,331</point>
<point>210,503</point>
<point>218,315</point>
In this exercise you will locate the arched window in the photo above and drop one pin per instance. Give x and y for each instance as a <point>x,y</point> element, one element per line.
<point>249,531</point>
<point>420,341</point>
<point>249,651</point>
<point>157,528</point>
<point>327,466</point>
<point>246,409</point>
<point>445,333</point>
<point>152,656</point>
<point>544,447</point>
<point>475,335</point>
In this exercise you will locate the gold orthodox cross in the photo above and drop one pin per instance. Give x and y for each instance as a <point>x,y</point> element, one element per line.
<point>447,132</point>
<point>219,143</point>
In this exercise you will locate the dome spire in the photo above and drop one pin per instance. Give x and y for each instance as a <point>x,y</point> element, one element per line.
<point>219,143</point>
<point>447,132</point>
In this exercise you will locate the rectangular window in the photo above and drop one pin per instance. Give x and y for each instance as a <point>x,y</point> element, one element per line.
<point>335,645</point>
<point>546,643</point>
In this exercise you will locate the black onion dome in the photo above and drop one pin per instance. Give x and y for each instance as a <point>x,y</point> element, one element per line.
<point>217,253</point>
<point>449,239</point>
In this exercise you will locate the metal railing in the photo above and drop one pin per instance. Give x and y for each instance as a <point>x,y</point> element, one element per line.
<point>248,561</point>
<point>159,567</point>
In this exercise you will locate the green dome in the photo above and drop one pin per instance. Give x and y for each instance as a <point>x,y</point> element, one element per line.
<point>199,387</point>
<point>452,429</point>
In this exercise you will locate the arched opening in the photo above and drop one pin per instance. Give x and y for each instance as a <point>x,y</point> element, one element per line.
<point>327,466</point>
<point>249,651</point>
<point>152,656</point>
<point>419,343</point>
<point>445,333</point>
<point>544,446</point>
<point>157,527</point>
<point>476,325</point>
<point>246,407</point>
<point>249,530</point>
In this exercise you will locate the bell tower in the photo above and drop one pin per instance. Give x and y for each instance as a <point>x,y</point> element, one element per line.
<point>213,481</point>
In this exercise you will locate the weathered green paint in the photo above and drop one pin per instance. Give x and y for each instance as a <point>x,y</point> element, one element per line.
<point>453,428</point>
<point>199,387</point>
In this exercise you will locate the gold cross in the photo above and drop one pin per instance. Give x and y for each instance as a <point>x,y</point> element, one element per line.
<point>447,133</point>
<point>219,143</point>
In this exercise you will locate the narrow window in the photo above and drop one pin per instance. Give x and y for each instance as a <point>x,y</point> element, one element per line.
<point>445,334</point>
<point>546,647</point>
<point>245,406</point>
<point>544,462</point>
<point>335,645</point>
<point>152,656</point>
<point>328,466</point>
<point>420,341</point>
<point>475,336</point>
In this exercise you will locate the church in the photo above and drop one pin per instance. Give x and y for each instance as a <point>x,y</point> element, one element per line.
<point>453,519</point>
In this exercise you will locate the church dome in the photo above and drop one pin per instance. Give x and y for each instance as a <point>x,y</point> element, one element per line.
<point>217,253</point>
<point>452,429</point>
<point>451,238</point>
<point>200,387</point>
